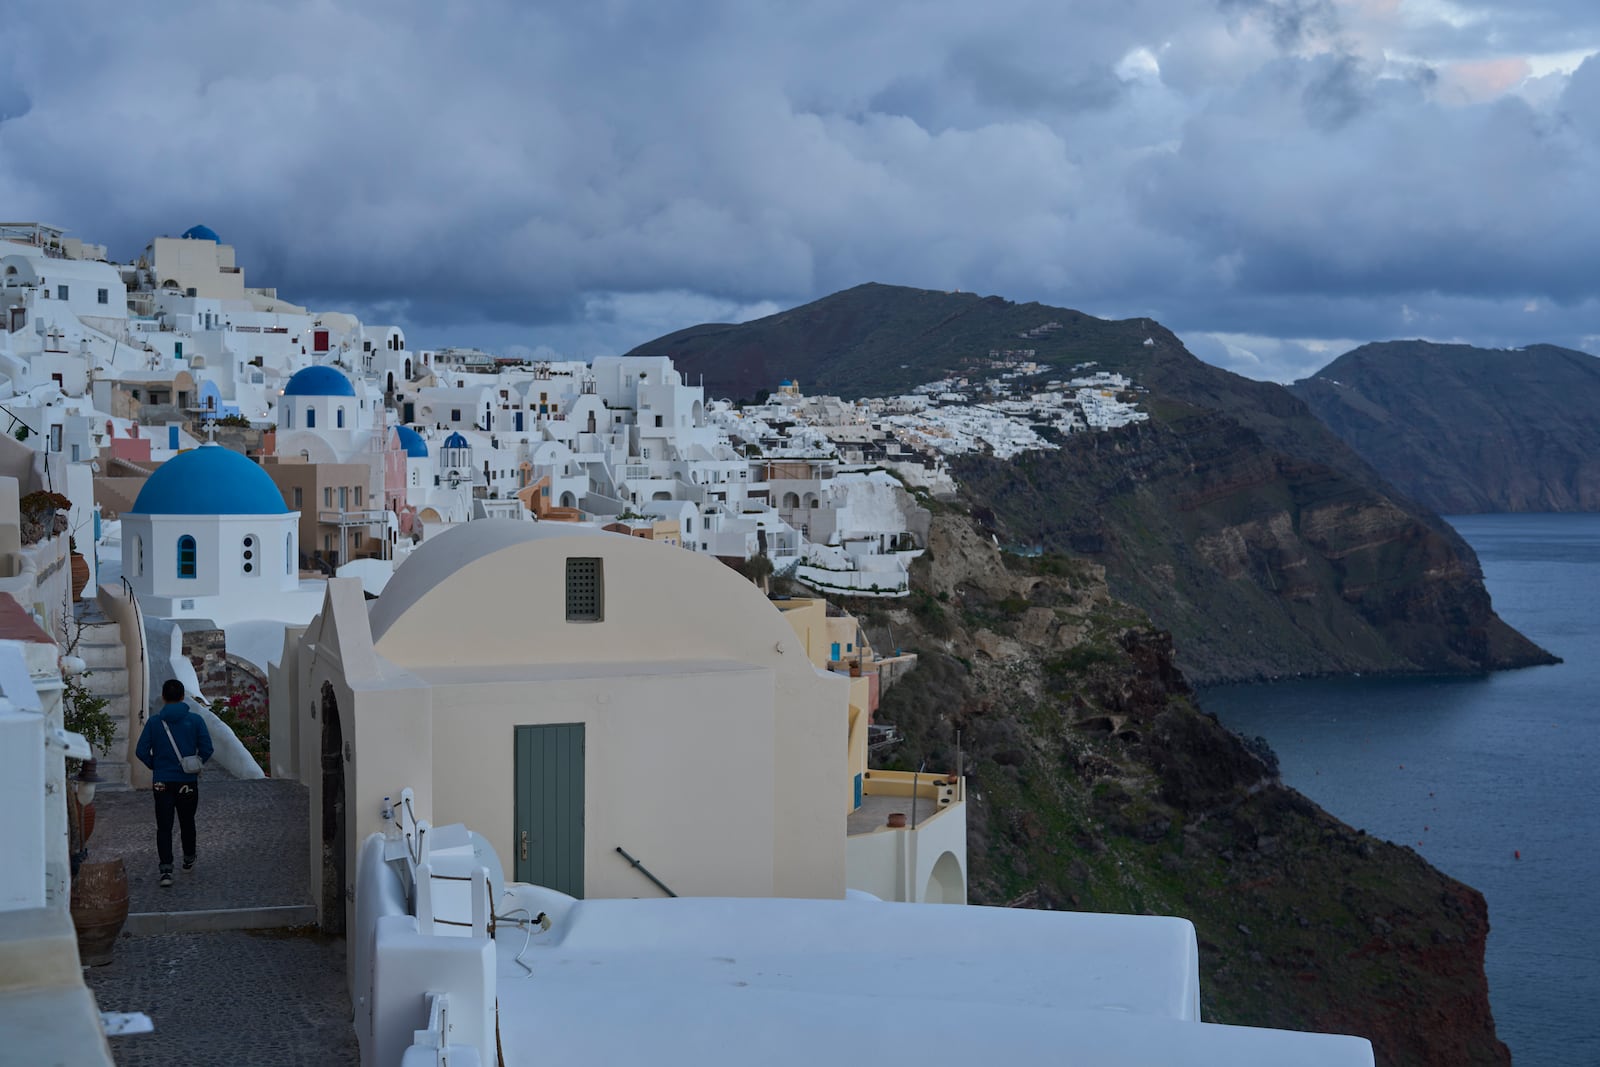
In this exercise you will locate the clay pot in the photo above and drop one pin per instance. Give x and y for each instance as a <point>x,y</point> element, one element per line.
<point>99,908</point>
<point>897,820</point>
<point>80,575</point>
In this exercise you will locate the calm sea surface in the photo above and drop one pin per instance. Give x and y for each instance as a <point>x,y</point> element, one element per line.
<point>1470,772</point>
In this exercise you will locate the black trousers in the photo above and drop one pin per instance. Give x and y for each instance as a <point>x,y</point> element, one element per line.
<point>175,798</point>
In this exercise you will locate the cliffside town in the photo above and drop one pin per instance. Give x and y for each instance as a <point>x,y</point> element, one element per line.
<point>109,369</point>
<point>242,474</point>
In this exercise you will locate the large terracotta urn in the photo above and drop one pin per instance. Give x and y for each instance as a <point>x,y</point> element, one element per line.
<point>99,908</point>
<point>80,575</point>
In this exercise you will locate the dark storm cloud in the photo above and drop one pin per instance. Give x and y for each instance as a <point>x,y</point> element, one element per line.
<point>587,176</point>
<point>1292,21</point>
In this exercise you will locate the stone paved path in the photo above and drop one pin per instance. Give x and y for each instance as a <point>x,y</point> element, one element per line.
<point>251,846</point>
<point>238,998</point>
<point>247,997</point>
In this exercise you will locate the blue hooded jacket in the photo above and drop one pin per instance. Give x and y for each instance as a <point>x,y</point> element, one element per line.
<point>155,751</point>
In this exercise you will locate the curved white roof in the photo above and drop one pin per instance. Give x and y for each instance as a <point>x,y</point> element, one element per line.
<point>493,592</point>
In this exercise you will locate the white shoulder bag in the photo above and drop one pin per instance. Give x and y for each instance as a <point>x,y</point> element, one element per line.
<point>191,764</point>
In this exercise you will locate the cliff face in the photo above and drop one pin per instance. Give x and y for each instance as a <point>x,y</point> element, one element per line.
<point>1462,429</point>
<point>1098,785</point>
<point>1236,518</point>
<point>1260,563</point>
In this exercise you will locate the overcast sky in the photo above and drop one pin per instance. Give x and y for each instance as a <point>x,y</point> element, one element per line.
<point>1275,180</point>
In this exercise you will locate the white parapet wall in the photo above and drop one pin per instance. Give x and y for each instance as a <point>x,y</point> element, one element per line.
<point>726,981</point>
<point>925,865</point>
<point>22,760</point>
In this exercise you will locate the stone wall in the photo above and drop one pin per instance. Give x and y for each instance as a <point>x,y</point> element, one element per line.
<point>208,651</point>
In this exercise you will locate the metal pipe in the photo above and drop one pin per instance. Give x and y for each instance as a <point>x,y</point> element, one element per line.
<point>642,869</point>
<point>915,779</point>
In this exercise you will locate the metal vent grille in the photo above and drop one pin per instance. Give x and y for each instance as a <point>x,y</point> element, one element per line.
<point>585,589</point>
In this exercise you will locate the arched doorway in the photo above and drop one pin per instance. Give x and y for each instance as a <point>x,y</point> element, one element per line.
<point>334,860</point>
<point>945,884</point>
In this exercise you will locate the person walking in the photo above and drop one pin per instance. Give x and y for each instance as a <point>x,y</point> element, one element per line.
<point>175,744</point>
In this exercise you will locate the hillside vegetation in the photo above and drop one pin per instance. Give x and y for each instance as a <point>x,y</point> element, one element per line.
<point>1096,784</point>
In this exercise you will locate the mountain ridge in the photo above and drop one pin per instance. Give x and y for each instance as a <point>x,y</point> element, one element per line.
<point>1236,519</point>
<point>1462,429</point>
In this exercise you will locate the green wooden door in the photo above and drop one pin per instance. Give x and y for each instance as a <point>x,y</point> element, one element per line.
<point>549,830</point>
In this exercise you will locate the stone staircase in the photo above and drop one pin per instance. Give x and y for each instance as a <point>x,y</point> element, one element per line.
<point>100,648</point>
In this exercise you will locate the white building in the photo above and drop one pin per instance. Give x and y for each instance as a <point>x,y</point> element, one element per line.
<point>209,537</point>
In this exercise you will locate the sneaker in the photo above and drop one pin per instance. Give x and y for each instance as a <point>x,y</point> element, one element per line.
<point>188,863</point>
<point>166,879</point>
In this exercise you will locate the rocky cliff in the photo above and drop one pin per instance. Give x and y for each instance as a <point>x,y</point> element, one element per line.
<point>1462,429</point>
<point>1235,518</point>
<point>1098,784</point>
<point>1259,562</point>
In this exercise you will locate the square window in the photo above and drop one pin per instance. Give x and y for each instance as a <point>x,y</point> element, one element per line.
<point>585,589</point>
<point>298,498</point>
<point>102,296</point>
<point>61,292</point>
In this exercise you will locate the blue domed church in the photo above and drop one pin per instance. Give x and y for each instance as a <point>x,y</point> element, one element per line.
<point>209,537</point>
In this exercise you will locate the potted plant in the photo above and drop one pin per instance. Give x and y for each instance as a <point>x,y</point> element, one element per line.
<point>80,570</point>
<point>99,903</point>
<point>43,514</point>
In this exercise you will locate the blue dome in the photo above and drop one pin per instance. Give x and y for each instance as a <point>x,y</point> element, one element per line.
<point>202,233</point>
<point>455,440</point>
<point>209,480</point>
<point>319,381</point>
<point>412,442</point>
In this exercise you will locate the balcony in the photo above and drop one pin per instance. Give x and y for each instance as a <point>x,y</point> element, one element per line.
<point>920,854</point>
<point>885,793</point>
<point>359,517</point>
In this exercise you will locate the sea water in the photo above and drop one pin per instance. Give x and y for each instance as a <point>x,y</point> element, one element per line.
<point>1494,780</point>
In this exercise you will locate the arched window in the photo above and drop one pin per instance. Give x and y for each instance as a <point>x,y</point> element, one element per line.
<point>288,417</point>
<point>250,554</point>
<point>188,558</point>
<point>311,418</point>
<point>288,553</point>
<point>338,418</point>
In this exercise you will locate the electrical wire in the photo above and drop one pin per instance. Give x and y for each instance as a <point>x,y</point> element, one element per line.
<point>541,920</point>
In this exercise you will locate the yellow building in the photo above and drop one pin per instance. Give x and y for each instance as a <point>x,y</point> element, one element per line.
<point>907,833</point>
<point>198,266</point>
<point>664,530</point>
<point>574,694</point>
